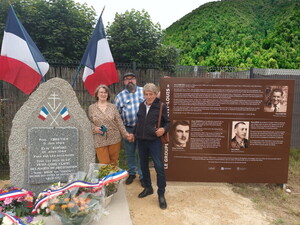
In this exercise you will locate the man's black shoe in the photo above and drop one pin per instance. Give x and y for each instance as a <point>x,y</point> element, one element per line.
<point>130,179</point>
<point>147,191</point>
<point>162,202</point>
<point>142,183</point>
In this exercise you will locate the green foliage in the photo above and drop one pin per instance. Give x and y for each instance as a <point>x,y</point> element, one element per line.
<point>240,33</point>
<point>294,165</point>
<point>272,199</point>
<point>60,28</point>
<point>133,37</point>
<point>106,169</point>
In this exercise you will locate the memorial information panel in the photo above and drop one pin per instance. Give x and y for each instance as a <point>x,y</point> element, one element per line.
<point>53,154</point>
<point>228,130</point>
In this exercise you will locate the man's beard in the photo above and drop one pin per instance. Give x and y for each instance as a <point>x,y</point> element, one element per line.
<point>130,87</point>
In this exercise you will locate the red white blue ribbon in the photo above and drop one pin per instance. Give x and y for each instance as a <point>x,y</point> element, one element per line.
<point>13,194</point>
<point>114,177</point>
<point>13,219</point>
<point>50,194</point>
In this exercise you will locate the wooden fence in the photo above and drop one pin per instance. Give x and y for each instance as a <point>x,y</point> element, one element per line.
<point>11,99</point>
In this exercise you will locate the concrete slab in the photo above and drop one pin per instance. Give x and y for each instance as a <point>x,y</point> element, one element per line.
<point>118,211</point>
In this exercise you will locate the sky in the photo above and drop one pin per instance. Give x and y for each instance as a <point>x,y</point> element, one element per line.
<point>164,12</point>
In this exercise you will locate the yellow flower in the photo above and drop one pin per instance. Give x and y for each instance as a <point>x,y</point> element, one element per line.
<point>64,206</point>
<point>52,207</point>
<point>29,198</point>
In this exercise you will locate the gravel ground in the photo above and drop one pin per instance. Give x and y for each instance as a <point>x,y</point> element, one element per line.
<point>193,204</point>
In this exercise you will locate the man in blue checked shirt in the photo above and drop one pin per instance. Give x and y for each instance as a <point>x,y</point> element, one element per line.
<point>127,102</point>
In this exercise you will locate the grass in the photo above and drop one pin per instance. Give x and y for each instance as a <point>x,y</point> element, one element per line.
<point>283,207</point>
<point>4,173</point>
<point>4,176</point>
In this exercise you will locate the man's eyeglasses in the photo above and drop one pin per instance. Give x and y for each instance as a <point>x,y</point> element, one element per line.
<point>129,78</point>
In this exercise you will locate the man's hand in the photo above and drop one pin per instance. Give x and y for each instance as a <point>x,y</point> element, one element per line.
<point>160,132</point>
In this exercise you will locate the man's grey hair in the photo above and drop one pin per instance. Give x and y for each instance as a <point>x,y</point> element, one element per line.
<point>150,87</point>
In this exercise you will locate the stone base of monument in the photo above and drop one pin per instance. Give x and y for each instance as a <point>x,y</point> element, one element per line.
<point>107,201</point>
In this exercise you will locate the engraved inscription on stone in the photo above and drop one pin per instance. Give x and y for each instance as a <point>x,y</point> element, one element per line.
<point>53,154</point>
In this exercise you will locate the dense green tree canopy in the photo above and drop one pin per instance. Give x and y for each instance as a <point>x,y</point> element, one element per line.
<point>133,37</point>
<point>60,28</point>
<point>240,33</point>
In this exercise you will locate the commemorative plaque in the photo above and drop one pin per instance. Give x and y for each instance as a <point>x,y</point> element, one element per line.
<point>53,154</point>
<point>228,130</point>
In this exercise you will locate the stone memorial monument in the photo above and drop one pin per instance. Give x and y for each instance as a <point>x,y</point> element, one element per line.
<point>50,138</point>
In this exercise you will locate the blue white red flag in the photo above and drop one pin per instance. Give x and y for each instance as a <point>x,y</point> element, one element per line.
<point>21,62</point>
<point>43,113</point>
<point>64,113</point>
<point>98,61</point>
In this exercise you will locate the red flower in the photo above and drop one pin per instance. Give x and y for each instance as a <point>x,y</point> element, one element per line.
<point>29,204</point>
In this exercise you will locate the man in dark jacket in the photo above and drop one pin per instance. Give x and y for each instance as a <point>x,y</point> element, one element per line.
<point>239,140</point>
<point>148,134</point>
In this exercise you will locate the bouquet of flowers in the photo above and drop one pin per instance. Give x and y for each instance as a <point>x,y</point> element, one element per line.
<point>16,201</point>
<point>76,206</point>
<point>109,174</point>
<point>43,209</point>
<point>8,219</point>
<point>77,202</point>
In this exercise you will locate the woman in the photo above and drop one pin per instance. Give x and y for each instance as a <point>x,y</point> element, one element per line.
<point>148,137</point>
<point>107,127</point>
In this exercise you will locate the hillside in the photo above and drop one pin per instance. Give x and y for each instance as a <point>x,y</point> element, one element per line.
<point>240,33</point>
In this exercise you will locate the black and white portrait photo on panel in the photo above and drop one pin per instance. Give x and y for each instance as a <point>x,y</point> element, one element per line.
<point>180,133</point>
<point>276,99</point>
<point>240,134</point>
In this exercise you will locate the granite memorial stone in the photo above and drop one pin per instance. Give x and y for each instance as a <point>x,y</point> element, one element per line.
<point>50,138</point>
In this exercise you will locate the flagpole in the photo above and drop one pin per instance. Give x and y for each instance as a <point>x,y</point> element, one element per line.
<point>102,11</point>
<point>79,67</point>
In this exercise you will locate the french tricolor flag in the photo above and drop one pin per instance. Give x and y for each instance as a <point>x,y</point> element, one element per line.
<point>64,113</point>
<point>43,113</point>
<point>21,62</point>
<point>98,61</point>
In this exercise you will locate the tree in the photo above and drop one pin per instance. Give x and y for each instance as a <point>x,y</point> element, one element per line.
<point>60,28</point>
<point>3,14</point>
<point>257,33</point>
<point>133,37</point>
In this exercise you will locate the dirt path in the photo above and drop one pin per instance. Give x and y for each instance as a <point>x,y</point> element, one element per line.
<point>193,204</point>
